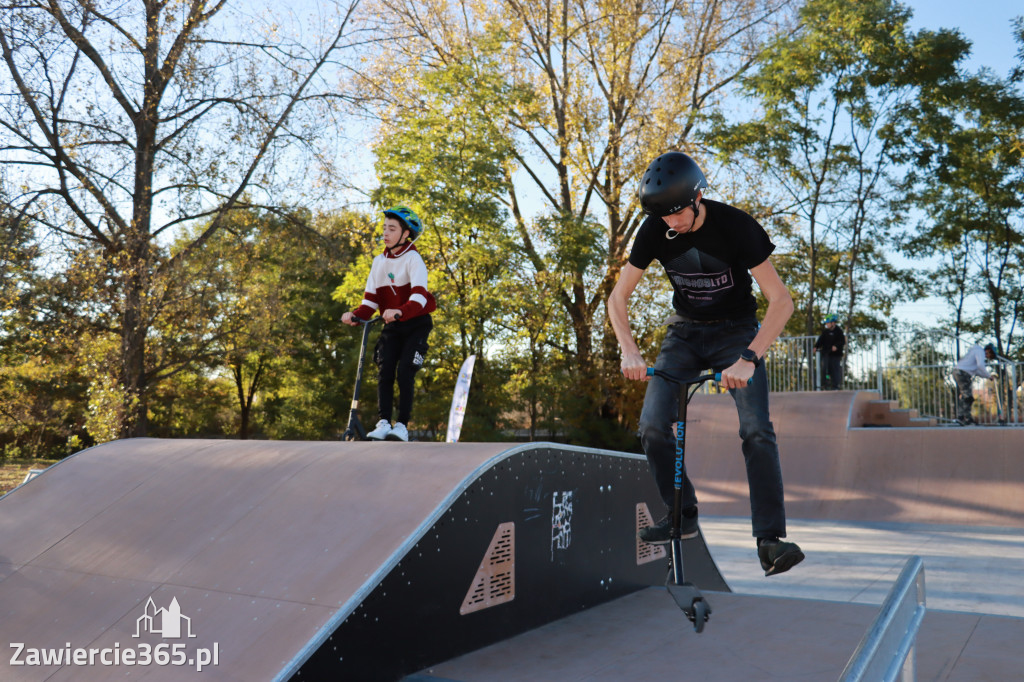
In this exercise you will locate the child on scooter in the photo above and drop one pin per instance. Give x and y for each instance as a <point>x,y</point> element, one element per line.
<point>397,288</point>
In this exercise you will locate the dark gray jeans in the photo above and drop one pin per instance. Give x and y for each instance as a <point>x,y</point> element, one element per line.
<point>688,349</point>
<point>964,394</point>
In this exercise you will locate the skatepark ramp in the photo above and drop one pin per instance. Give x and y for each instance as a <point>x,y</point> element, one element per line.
<point>837,465</point>
<point>310,561</point>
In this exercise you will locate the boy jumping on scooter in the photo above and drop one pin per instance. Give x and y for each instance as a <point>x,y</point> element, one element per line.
<point>711,253</point>
<point>397,288</point>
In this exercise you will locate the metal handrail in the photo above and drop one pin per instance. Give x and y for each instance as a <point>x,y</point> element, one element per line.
<point>913,368</point>
<point>886,653</point>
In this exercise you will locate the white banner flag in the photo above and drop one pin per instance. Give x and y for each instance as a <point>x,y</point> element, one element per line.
<point>459,398</point>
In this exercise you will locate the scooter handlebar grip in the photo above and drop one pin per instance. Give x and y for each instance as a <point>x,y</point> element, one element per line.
<point>718,375</point>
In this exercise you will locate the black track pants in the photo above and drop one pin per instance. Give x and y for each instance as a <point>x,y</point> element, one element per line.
<point>399,353</point>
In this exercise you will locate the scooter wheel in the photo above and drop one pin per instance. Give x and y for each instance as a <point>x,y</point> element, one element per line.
<point>700,614</point>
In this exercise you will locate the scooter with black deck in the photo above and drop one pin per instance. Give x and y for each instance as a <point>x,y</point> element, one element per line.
<point>686,595</point>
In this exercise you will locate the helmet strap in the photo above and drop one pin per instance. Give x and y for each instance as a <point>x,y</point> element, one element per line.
<point>399,249</point>
<point>672,234</point>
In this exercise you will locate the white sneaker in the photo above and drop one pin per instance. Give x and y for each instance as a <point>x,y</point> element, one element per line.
<point>382,431</point>
<point>399,432</point>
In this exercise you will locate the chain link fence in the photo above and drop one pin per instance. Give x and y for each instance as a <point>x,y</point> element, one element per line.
<point>913,368</point>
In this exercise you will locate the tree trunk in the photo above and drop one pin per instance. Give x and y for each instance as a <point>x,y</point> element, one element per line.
<point>134,327</point>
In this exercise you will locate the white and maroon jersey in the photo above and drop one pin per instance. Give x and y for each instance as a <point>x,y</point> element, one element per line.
<point>397,280</point>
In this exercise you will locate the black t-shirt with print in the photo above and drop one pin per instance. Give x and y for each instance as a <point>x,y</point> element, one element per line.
<point>710,268</point>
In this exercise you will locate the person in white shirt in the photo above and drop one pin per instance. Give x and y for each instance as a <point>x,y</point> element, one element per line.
<point>397,289</point>
<point>971,365</point>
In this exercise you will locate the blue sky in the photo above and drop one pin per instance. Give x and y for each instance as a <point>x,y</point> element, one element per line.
<point>986,23</point>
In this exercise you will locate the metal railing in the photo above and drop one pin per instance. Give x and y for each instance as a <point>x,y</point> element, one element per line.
<point>913,368</point>
<point>887,651</point>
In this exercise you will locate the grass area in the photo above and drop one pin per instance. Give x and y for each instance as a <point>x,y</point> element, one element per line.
<point>13,472</point>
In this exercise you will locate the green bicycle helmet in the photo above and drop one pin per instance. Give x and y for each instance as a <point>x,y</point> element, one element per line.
<point>408,218</point>
<point>831,318</point>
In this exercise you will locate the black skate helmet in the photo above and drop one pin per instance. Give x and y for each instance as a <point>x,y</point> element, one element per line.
<point>670,183</point>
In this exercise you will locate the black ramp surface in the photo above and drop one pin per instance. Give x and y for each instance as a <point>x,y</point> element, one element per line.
<point>560,521</point>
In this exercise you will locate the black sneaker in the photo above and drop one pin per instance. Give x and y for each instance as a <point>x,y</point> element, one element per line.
<point>661,532</point>
<point>778,556</point>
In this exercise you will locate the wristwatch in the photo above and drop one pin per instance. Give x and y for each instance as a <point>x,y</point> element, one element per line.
<point>750,356</point>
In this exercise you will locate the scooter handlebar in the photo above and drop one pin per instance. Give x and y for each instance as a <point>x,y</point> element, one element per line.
<point>716,376</point>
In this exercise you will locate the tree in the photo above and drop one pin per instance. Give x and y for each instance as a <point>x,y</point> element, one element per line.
<point>125,121</point>
<point>828,95</point>
<point>309,393</point>
<point>41,390</point>
<point>445,157</point>
<point>441,155</point>
<point>968,182</point>
<point>235,282</point>
<point>614,84</point>
<point>276,348</point>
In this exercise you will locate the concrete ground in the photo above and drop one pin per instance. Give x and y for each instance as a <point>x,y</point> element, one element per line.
<point>801,625</point>
<point>967,569</point>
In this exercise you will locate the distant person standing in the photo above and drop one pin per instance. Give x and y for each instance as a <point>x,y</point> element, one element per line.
<point>971,365</point>
<point>831,345</point>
